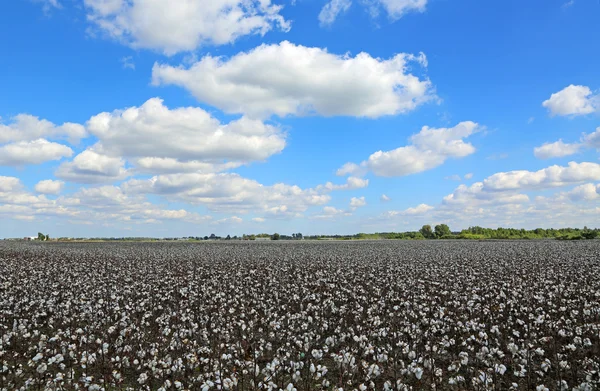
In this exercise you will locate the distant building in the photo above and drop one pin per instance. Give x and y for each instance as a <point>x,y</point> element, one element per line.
<point>262,239</point>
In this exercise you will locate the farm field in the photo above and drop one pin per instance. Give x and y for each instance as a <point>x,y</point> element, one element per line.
<point>300,316</point>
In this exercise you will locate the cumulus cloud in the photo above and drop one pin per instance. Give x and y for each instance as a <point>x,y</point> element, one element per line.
<point>556,149</point>
<point>329,212</point>
<point>8,184</point>
<point>228,192</point>
<point>553,176</point>
<point>478,194</point>
<point>357,202</point>
<point>508,187</point>
<point>259,219</point>
<point>468,176</point>
<point>332,9</point>
<point>32,152</point>
<point>160,165</point>
<point>351,169</point>
<point>25,127</point>
<point>573,100</point>
<point>157,25</point>
<point>159,139</point>
<point>561,149</point>
<point>384,198</point>
<point>352,183</point>
<point>111,202</point>
<point>49,186</point>
<point>418,210</point>
<point>92,167</point>
<point>229,220</point>
<point>430,148</point>
<point>585,192</point>
<point>99,204</point>
<point>286,79</point>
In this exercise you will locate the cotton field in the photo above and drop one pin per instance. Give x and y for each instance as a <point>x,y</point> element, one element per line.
<point>300,316</point>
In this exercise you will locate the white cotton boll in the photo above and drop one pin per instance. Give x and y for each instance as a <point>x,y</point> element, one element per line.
<point>545,365</point>
<point>41,368</point>
<point>541,387</point>
<point>419,373</point>
<point>500,368</point>
<point>362,387</point>
<point>94,387</point>
<point>142,378</point>
<point>37,357</point>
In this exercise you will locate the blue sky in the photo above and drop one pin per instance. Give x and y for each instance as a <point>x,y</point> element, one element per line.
<point>142,118</point>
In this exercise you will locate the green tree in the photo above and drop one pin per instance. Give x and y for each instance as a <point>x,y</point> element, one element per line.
<point>427,232</point>
<point>275,236</point>
<point>47,237</point>
<point>442,230</point>
<point>41,236</point>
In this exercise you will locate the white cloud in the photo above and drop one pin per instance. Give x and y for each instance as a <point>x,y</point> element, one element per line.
<point>25,127</point>
<point>478,194</point>
<point>454,177</point>
<point>329,212</point>
<point>585,192</point>
<point>159,139</point>
<point>92,167</point>
<point>258,220</point>
<point>9,184</point>
<point>352,183</point>
<point>111,203</point>
<point>469,176</point>
<point>32,152</point>
<point>556,149</point>
<point>430,148</point>
<point>227,192</point>
<point>418,210</point>
<point>287,79</point>
<point>592,140</point>
<point>351,169</point>
<point>229,220</point>
<point>384,198</point>
<point>156,24</point>
<point>99,204</point>
<point>553,176</point>
<point>158,165</point>
<point>357,202</point>
<point>128,63</point>
<point>398,8</point>
<point>507,187</point>
<point>573,100</point>
<point>49,186</point>
<point>332,9</point>
<point>49,5</point>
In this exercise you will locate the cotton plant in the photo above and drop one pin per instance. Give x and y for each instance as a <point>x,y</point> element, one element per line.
<point>300,316</point>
